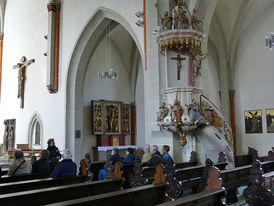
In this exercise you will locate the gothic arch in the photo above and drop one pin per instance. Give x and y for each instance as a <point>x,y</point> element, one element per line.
<point>35,131</point>
<point>81,55</point>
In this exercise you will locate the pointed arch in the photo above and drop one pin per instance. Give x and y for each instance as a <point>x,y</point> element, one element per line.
<point>84,49</point>
<point>35,133</point>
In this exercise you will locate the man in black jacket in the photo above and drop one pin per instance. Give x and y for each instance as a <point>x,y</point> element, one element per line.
<point>42,166</point>
<point>156,157</point>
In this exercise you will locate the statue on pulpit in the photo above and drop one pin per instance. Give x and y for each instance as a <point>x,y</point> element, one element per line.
<point>163,111</point>
<point>176,111</point>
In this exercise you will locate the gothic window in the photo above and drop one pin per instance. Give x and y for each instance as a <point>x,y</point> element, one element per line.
<point>35,133</point>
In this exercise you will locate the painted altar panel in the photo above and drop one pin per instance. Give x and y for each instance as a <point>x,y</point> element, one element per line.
<point>270,120</point>
<point>126,124</point>
<point>97,117</point>
<point>112,118</point>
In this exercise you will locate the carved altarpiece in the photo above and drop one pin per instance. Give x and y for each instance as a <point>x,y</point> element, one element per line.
<point>9,134</point>
<point>111,122</point>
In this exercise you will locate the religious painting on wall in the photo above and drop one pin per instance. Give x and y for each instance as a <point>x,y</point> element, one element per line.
<point>126,118</point>
<point>253,121</point>
<point>112,111</point>
<point>97,117</point>
<point>270,120</point>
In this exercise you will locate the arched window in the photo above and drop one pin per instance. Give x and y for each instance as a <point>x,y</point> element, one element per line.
<point>35,133</point>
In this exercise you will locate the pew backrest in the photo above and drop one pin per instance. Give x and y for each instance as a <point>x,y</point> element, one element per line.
<point>7,179</point>
<point>144,195</point>
<point>39,184</point>
<point>200,199</point>
<point>59,193</point>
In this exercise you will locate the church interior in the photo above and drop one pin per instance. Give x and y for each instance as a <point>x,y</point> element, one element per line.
<point>129,102</point>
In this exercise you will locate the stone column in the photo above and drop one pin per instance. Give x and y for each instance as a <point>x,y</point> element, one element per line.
<point>53,45</point>
<point>232,117</point>
<point>1,54</point>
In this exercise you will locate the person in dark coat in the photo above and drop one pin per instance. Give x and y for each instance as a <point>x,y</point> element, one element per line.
<point>65,168</point>
<point>42,166</point>
<point>130,159</point>
<point>156,157</point>
<point>53,150</point>
<point>115,157</point>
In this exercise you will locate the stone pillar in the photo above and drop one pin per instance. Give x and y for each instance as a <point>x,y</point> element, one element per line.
<point>232,117</point>
<point>1,54</point>
<point>53,45</point>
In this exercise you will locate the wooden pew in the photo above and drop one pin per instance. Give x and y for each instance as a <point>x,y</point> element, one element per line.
<point>205,198</point>
<point>59,193</point>
<point>95,168</point>
<point>185,165</point>
<point>234,178</point>
<point>4,171</point>
<point>144,195</point>
<point>39,184</point>
<point>23,178</point>
<point>241,160</point>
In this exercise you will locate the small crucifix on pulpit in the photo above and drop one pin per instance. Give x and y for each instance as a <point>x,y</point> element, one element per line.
<point>21,77</point>
<point>179,60</point>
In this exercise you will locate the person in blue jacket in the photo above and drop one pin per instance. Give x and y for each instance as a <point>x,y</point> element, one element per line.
<point>65,168</point>
<point>130,159</point>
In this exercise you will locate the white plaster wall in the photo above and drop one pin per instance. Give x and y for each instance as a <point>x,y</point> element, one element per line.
<point>213,82</point>
<point>254,84</point>
<point>96,89</point>
<point>26,23</point>
<point>140,108</point>
<point>25,27</point>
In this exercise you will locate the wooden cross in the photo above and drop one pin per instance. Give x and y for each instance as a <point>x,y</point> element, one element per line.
<point>179,60</point>
<point>21,77</point>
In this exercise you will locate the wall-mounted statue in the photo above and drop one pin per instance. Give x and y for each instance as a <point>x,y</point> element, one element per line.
<point>21,77</point>
<point>9,134</point>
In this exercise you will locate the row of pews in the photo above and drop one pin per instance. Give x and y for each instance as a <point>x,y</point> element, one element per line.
<point>154,187</point>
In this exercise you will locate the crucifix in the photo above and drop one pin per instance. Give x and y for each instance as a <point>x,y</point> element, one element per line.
<point>179,60</point>
<point>21,77</point>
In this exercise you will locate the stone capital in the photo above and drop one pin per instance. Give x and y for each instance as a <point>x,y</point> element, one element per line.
<point>231,94</point>
<point>54,6</point>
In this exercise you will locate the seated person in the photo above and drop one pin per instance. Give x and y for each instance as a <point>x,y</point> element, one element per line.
<point>147,155</point>
<point>156,157</point>
<point>101,174</point>
<point>42,166</point>
<point>165,154</point>
<point>65,168</point>
<point>115,157</point>
<point>130,159</point>
<point>19,166</point>
<point>85,165</point>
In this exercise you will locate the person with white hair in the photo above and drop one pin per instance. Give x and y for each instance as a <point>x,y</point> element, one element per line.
<point>156,157</point>
<point>147,155</point>
<point>65,168</point>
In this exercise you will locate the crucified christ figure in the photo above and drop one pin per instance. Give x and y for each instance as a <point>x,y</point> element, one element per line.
<point>21,77</point>
<point>179,60</point>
